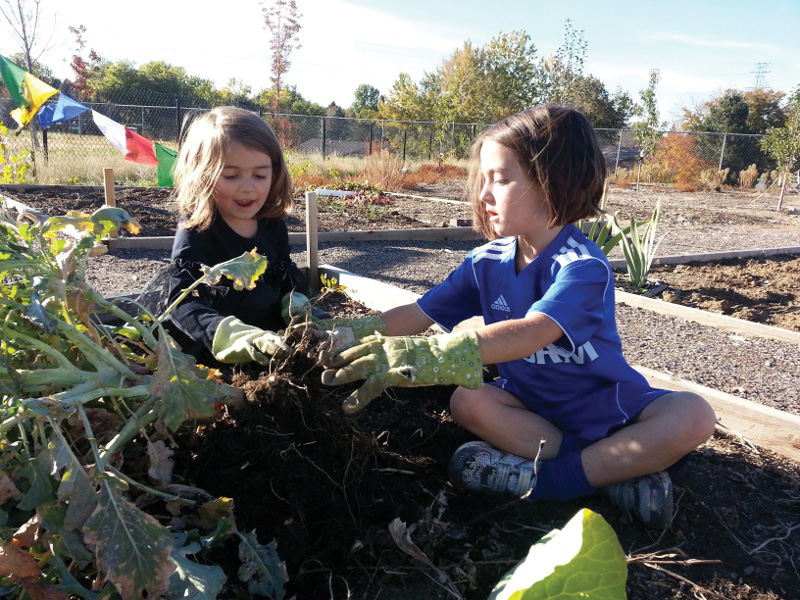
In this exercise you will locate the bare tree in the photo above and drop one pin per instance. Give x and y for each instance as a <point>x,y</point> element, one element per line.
<point>24,20</point>
<point>282,20</point>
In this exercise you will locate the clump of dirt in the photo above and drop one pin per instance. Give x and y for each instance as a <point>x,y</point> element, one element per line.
<point>327,486</point>
<point>762,290</point>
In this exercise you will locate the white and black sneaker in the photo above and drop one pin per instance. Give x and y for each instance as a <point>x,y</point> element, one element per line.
<point>479,467</point>
<point>649,498</point>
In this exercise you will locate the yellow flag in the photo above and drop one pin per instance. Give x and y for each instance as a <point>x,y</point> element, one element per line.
<point>35,92</point>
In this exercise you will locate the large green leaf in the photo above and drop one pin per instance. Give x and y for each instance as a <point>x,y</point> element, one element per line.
<point>132,548</point>
<point>181,388</point>
<point>262,569</point>
<point>191,580</point>
<point>40,489</point>
<point>583,560</point>
<point>243,270</point>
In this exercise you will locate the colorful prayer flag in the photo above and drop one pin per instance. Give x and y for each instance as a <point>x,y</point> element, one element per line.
<point>166,164</point>
<point>138,148</point>
<point>27,91</point>
<point>65,109</point>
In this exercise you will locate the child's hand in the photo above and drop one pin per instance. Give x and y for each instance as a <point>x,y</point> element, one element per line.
<point>452,358</point>
<point>236,342</point>
<point>296,311</point>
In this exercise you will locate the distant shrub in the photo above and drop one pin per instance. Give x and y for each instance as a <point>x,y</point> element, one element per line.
<point>677,154</point>
<point>384,169</point>
<point>713,179</point>
<point>748,176</point>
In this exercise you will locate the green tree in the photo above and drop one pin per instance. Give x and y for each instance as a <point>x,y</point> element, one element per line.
<point>736,111</point>
<point>405,101</point>
<point>365,104</point>
<point>647,131</point>
<point>290,102</point>
<point>561,73</point>
<point>510,71</point>
<point>474,84</point>
<point>236,92</point>
<point>591,97</point>
<point>783,143</point>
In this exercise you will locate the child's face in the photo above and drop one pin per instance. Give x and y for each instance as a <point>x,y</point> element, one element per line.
<point>243,186</point>
<point>514,203</point>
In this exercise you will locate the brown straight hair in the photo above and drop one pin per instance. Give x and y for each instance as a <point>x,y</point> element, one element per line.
<point>202,155</point>
<point>557,149</point>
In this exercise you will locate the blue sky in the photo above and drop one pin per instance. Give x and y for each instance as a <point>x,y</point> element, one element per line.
<point>700,47</point>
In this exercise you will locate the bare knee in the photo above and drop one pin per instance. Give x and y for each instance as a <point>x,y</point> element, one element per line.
<point>465,407</point>
<point>696,419</point>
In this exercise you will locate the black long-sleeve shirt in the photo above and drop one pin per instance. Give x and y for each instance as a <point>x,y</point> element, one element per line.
<point>197,317</point>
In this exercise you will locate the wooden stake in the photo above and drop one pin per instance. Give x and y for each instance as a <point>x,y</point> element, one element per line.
<point>108,182</point>
<point>312,241</point>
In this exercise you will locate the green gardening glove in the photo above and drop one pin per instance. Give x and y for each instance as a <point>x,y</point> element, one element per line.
<point>451,358</point>
<point>236,342</point>
<point>296,308</point>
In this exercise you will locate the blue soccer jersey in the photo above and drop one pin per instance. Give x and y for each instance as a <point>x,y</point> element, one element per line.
<point>582,383</point>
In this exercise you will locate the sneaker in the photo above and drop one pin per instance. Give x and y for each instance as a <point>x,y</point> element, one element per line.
<point>649,498</point>
<point>479,467</point>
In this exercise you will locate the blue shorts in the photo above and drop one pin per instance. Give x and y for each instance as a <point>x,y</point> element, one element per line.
<point>583,421</point>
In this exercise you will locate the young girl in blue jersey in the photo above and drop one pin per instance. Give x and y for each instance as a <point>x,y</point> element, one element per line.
<point>233,188</point>
<point>546,295</point>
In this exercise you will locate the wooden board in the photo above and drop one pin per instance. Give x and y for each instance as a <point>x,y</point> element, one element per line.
<point>704,317</point>
<point>762,425</point>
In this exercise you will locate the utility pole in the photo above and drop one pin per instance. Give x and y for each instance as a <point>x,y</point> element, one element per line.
<point>760,73</point>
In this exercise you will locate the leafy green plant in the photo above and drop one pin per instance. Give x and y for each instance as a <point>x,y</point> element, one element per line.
<point>605,231</point>
<point>582,560</point>
<point>783,143</point>
<point>638,246</point>
<point>87,413</point>
<point>14,165</point>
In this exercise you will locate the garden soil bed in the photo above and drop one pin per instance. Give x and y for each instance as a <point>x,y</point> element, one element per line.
<point>327,486</point>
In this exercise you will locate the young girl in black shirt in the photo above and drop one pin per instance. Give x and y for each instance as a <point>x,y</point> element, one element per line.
<point>233,190</point>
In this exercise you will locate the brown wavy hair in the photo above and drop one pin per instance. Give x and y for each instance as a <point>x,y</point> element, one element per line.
<point>557,149</point>
<point>201,157</point>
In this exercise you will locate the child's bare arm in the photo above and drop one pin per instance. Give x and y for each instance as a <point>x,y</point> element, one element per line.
<point>407,319</point>
<point>516,338</point>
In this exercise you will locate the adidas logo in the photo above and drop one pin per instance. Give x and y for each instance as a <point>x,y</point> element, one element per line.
<point>501,304</point>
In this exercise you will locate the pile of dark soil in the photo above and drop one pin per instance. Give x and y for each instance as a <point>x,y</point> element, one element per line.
<point>326,486</point>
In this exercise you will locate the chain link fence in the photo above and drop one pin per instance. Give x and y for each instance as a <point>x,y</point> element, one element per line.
<point>75,151</point>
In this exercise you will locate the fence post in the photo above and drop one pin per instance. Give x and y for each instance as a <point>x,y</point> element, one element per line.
<point>312,241</point>
<point>430,146</point>
<point>371,126</point>
<point>722,152</point>
<point>405,134</point>
<point>44,146</point>
<point>324,135</point>
<point>619,150</point>
<point>178,116</point>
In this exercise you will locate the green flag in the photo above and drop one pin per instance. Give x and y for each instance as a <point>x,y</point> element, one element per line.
<point>166,163</point>
<point>14,78</point>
